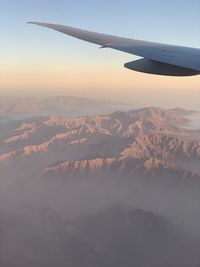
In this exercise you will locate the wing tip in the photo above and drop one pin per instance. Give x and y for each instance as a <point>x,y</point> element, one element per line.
<point>37,23</point>
<point>31,22</point>
<point>43,24</point>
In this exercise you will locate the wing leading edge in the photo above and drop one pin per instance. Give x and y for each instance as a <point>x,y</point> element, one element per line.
<point>157,58</point>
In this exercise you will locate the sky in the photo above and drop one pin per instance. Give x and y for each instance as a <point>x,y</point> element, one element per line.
<point>38,61</point>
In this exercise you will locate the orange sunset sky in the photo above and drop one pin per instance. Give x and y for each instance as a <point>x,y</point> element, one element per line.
<point>38,62</point>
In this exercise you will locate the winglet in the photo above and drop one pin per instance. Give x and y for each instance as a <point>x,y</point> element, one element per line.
<point>37,23</point>
<point>41,24</point>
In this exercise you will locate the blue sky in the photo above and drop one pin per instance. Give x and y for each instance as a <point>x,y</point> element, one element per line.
<point>172,21</point>
<point>34,58</point>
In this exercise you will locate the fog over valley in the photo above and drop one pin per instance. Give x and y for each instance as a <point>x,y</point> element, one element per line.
<point>21,107</point>
<point>118,188</point>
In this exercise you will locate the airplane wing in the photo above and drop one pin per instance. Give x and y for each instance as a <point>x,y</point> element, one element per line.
<point>161,59</point>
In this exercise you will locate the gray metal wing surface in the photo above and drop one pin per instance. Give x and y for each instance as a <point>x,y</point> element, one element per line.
<point>157,58</point>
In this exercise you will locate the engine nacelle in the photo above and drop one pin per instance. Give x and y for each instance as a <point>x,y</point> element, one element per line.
<point>159,68</point>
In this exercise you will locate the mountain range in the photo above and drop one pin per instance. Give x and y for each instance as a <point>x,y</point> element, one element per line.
<point>137,142</point>
<point>108,190</point>
<point>21,107</point>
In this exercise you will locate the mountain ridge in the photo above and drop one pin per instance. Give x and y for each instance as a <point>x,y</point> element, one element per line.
<point>146,140</point>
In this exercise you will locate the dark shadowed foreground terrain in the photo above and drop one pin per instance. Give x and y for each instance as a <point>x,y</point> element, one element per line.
<point>112,190</point>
